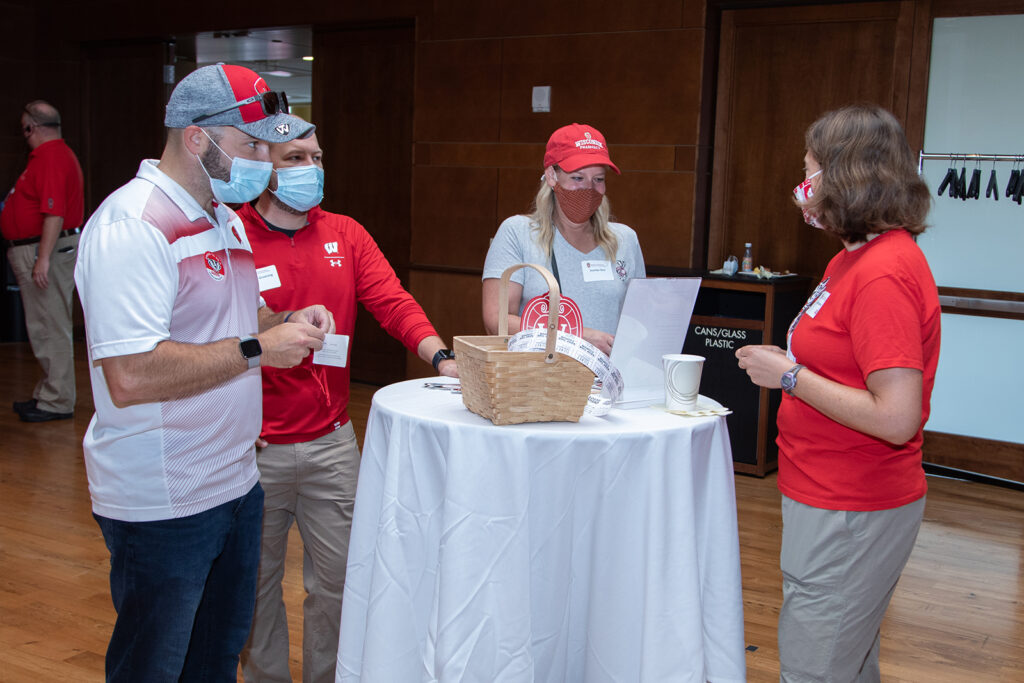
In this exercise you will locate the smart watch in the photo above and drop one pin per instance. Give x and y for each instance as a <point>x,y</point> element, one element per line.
<point>443,354</point>
<point>251,350</point>
<point>788,380</point>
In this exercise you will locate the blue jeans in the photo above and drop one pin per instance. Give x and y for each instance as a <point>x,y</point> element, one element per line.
<point>184,591</point>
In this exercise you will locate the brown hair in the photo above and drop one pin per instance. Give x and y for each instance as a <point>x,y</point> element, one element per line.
<point>869,182</point>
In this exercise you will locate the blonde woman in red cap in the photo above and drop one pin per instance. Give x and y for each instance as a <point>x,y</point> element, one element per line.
<point>569,233</point>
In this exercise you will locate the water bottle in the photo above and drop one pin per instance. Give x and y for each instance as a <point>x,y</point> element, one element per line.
<point>748,258</point>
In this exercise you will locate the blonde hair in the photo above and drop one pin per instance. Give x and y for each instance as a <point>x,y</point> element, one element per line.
<point>542,222</point>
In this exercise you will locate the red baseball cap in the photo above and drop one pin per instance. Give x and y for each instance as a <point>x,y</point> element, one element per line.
<point>575,146</point>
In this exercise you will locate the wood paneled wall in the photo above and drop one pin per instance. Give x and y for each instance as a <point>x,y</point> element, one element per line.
<point>644,72</point>
<point>779,70</point>
<point>631,70</point>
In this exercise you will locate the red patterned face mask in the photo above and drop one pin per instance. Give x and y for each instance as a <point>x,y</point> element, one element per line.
<point>803,192</point>
<point>578,205</point>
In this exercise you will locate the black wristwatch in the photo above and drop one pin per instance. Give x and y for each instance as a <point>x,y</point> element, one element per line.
<point>788,380</point>
<point>251,350</point>
<point>443,354</point>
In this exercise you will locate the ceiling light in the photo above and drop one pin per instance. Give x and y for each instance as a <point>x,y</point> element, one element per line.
<point>308,58</point>
<point>279,73</point>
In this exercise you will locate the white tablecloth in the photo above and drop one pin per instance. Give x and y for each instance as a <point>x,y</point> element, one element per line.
<point>604,550</point>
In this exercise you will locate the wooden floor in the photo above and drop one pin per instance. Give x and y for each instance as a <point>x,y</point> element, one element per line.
<point>957,616</point>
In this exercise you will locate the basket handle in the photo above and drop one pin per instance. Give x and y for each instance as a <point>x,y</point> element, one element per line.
<point>554,299</point>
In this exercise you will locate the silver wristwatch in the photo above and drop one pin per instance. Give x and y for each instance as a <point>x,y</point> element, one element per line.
<point>788,380</point>
<point>251,350</point>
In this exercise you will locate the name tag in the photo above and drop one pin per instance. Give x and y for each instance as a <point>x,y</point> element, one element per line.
<point>813,309</point>
<point>594,271</point>
<point>268,278</point>
<point>334,352</point>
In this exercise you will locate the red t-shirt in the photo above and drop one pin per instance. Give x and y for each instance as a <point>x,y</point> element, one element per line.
<point>51,185</point>
<point>335,262</point>
<point>877,308</point>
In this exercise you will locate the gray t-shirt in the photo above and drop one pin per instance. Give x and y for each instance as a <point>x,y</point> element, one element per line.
<point>600,300</point>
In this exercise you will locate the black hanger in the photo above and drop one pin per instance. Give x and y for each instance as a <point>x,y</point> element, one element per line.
<point>961,183</point>
<point>1019,190</point>
<point>993,185</point>
<point>1011,185</point>
<point>949,181</point>
<point>974,190</point>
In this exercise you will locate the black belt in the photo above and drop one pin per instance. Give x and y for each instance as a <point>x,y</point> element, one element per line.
<point>35,240</point>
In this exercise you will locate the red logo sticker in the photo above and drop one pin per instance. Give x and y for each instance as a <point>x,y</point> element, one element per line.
<point>214,266</point>
<point>535,315</point>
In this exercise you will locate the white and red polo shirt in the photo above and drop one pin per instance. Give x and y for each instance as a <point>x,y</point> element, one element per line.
<point>154,266</point>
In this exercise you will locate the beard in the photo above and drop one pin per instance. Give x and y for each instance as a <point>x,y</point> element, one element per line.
<point>284,207</point>
<point>215,163</point>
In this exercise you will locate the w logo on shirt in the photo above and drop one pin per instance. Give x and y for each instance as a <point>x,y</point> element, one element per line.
<point>331,247</point>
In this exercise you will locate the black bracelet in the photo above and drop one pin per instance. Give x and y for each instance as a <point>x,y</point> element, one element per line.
<point>442,355</point>
<point>288,316</point>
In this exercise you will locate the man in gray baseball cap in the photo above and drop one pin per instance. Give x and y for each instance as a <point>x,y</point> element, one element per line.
<point>177,332</point>
<point>229,95</point>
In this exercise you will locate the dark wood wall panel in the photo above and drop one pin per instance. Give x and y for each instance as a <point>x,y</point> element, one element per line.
<point>491,154</point>
<point>637,88</point>
<point>458,91</point>
<point>453,215</point>
<point>453,303</point>
<point>518,186</point>
<point>659,206</point>
<point>779,69</point>
<point>455,19</point>
<point>959,8</point>
<point>113,150</point>
<point>362,105</point>
<point>479,146</point>
<point>20,87</point>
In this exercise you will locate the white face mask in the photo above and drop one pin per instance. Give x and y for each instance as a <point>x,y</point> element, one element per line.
<point>803,192</point>
<point>247,181</point>
<point>300,187</point>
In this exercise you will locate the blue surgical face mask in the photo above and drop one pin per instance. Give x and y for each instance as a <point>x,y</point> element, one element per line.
<point>300,187</point>
<point>247,181</point>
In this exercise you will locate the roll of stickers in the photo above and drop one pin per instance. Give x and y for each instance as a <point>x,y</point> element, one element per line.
<point>579,349</point>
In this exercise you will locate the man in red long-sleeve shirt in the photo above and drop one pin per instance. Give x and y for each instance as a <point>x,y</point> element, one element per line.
<point>309,459</point>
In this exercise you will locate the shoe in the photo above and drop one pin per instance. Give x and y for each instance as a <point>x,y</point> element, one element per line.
<point>22,405</point>
<point>40,415</point>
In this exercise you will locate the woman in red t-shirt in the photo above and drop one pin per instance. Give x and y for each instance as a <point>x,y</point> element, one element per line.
<point>858,377</point>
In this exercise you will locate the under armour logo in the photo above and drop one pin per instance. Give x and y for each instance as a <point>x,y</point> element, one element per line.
<point>335,262</point>
<point>282,128</point>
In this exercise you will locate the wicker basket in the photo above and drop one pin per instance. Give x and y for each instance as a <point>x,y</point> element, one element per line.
<point>511,387</point>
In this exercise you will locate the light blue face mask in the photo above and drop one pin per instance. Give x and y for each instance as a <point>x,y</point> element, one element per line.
<point>248,178</point>
<point>300,187</point>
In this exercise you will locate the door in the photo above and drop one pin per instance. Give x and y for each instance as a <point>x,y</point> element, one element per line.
<point>779,70</point>
<point>362,105</point>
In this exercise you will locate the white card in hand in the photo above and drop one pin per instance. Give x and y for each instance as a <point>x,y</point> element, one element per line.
<point>334,352</point>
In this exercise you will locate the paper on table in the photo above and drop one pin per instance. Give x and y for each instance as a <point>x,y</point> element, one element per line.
<point>654,319</point>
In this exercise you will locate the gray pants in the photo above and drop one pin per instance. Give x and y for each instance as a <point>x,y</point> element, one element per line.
<point>48,320</point>
<point>839,570</point>
<point>314,484</point>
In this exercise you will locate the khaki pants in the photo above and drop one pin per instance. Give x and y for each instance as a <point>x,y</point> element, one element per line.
<point>839,570</point>
<point>314,484</point>
<point>48,320</point>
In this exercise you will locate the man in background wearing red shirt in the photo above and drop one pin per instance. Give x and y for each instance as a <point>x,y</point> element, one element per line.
<point>307,456</point>
<point>41,219</point>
